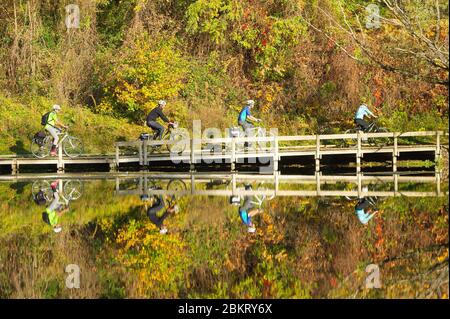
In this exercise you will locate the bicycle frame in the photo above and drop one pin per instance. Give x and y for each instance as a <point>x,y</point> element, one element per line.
<point>61,140</point>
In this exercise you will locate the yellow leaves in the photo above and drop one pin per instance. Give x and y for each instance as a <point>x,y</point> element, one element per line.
<point>281,256</point>
<point>267,96</point>
<point>444,256</point>
<point>157,260</point>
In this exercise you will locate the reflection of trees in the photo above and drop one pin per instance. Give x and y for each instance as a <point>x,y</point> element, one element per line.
<point>417,273</point>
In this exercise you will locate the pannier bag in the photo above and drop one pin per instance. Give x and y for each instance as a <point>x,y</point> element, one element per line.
<point>144,136</point>
<point>39,138</point>
<point>39,198</point>
<point>234,132</point>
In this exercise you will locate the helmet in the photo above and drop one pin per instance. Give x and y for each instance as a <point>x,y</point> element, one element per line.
<point>251,229</point>
<point>57,229</point>
<point>162,102</point>
<point>250,102</point>
<point>56,107</point>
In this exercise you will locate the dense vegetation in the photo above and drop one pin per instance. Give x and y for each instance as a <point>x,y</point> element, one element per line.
<point>308,64</point>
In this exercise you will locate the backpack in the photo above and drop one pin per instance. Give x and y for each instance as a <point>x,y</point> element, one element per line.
<point>44,118</point>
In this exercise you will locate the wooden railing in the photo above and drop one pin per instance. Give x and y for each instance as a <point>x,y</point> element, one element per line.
<point>231,149</point>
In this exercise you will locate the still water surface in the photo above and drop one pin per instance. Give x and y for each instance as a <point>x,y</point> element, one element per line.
<point>223,235</point>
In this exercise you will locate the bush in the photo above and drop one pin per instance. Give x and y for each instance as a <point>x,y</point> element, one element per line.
<point>145,73</point>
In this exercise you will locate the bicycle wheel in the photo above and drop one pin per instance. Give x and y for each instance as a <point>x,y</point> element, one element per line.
<point>351,141</point>
<point>263,187</point>
<point>73,146</point>
<point>380,141</point>
<point>176,185</point>
<point>180,142</point>
<point>41,150</point>
<point>44,186</point>
<point>73,189</point>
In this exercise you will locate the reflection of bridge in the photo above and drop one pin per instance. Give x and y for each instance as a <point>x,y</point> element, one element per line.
<point>275,185</point>
<point>267,151</point>
<point>229,184</point>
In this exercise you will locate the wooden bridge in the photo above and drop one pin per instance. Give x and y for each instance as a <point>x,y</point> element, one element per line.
<point>266,152</point>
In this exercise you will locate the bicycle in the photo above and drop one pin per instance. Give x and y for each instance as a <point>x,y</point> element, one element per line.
<point>372,128</point>
<point>41,145</point>
<point>257,131</point>
<point>72,189</point>
<point>173,134</point>
<point>257,199</point>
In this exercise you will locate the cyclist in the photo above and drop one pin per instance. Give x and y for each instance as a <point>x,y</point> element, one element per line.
<point>360,209</point>
<point>153,116</point>
<point>247,211</point>
<point>54,127</point>
<point>245,115</point>
<point>152,213</point>
<point>55,210</point>
<point>362,111</point>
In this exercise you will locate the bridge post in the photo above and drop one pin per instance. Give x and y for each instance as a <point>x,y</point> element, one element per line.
<point>395,153</point>
<point>318,174</point>
<point>438,183</point>
<point>359,176</point>
<point>395,184</point>
<point>437,153</point>
<point>14,167</point>
<point>117,157</point>
<point>192,184</point>
<point>276,157</point>
<point>277,181</point>
<point>318,156</point>
<point>358,153</point>
<point>145,151</point>
<point>60,164</point>
<point>192,158</point>
<point>233,154</point>
<point>233,184</point>
<point>140,153</point>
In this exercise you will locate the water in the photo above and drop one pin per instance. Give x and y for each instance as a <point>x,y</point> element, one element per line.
<point>308,241</point>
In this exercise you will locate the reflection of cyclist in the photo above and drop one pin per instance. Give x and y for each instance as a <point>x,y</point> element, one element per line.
<point>152,213</point>
<point>247,211</point>
<point>55,210</point>
<point>153,116</point>
<point>360,210</point>
<point>362,111</point>
<point>53,126</point>
<point>245,115</point>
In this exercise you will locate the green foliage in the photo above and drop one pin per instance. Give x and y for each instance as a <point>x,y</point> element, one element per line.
<point>399,120</point>
<point>212,17</point>
<point>146,73</point>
